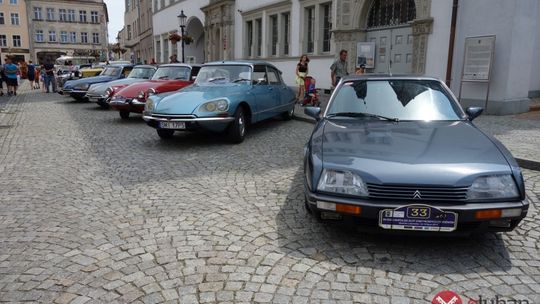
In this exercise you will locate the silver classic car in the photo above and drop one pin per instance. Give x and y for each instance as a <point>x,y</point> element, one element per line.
<point>399,153</point>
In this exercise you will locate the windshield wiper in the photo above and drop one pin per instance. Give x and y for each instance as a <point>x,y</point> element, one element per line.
<point>217,78</point>
<point>241,79</point>
<point>358,114</point>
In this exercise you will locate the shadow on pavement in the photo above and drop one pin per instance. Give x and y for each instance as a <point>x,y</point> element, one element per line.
<point>300,235</point>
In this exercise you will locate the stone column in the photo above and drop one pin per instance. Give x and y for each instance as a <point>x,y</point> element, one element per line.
<point>421,28</point>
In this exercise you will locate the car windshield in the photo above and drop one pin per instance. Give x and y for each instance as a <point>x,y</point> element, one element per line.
<point>172,72</point>
<point>141,73</point>
<point>402,99</point>
<point>111,71</point>
<point>240,74</point>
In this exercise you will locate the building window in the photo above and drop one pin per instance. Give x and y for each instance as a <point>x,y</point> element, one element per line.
<point>165,50</point>
<point>84,37</point>
<point>16,41</point>
<point>95,38</point>
<point>158,50</point>
<point>258,28</point>
<point>128,5</point>
<point>50,14</point>
<point>38,13</point>
<point>82,16</point>
<point>14,19</point>
<point>62,13</point>
<point>52,36</point>
<point>129,32</point>
<point>2,20</point>
<point>39,36</point>
<point>310,29</point>
<point>12,1</point>
<point>73,37</point>
<point>286,17</point>
<point>63,37</point>
<point>94,16</point>
<point>3,40</point>
<point>326,26</point>
<point>71,15</point>
<point>391,12</point>
<point>249,38</point>
<point>274,35</point>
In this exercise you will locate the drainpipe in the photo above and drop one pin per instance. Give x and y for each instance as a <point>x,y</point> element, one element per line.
<point>451,43</point>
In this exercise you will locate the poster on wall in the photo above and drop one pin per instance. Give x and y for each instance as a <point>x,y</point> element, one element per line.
<point>478,58</point>
<point>365,54</point>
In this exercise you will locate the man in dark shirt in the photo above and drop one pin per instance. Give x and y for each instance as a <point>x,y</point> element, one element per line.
<point>49,77</point>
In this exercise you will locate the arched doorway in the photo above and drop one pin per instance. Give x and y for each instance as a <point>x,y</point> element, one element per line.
<point>389,27</point>
<point>195,49</point>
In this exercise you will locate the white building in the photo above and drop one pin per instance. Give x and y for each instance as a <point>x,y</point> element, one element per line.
<point>413,35</point>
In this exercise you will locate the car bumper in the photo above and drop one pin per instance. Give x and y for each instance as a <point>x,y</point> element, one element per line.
<point>129,105</point>
<point>192,122</point>
<point>368,219</point>
<point>96,98</point>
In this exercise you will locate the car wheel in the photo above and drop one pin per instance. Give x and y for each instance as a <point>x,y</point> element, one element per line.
<point>237,129</point>
<point>289,114</point>
<point>79,99</point>
<point>124,114</point>
<point>103,105</point>
<point>165,134</point>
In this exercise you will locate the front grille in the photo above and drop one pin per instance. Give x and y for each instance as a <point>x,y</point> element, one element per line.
<point>417,193</point>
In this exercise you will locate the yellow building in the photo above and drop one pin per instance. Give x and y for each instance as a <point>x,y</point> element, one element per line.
<point>67,27</point>
<point>14,30</point>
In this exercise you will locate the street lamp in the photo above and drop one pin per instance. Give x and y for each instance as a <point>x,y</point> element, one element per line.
<point>182,21</point>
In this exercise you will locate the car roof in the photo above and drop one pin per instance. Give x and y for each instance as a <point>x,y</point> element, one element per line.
<point>388,77</point>
<point>146,66</point>
<point>120,65</point>
<point>179,64</point>
<point>241,62</point>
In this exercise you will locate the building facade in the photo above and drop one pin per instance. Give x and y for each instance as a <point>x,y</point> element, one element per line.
<point>138,31</point>
<point>67,27</point>
<point>14,30</point>
<point>390,36</point>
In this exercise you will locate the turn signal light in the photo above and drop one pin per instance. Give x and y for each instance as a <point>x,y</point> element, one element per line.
<point>488,214</point>
<point>351,209</point>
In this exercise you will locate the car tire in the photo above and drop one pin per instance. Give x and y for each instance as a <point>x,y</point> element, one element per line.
<point>289,114</point>
<point>237,130</point>
<point>124,114</point>
<point>165,134</point>
<point>103,105</point>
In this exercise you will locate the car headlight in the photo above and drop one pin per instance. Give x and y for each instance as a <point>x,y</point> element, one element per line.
<point>152,91</point>
<point>220,105</point>
<point>109,92</point>
<point>141,95</point>
<point>149,105</point>
<point>83,86</point>
<point>493,186</point>
<point>344,182</point>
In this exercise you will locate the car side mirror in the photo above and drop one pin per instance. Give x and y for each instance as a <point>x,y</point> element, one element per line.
<point>314,112</point>
<point>474,112</point>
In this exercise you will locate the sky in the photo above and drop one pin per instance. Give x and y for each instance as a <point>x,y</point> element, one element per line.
<point>116,17</point>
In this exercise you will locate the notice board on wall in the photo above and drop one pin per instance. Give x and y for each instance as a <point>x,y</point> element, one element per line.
<point>478,59</point>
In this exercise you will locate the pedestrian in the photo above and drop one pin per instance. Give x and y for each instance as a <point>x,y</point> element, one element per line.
<point>37,75</point>
<point>49,77</point>
<point>42,77</point>
<point>301,73</point>
<point>11,70</point>
<point>361,70</point>
<point>31,74</point>
<point>2,79</point>
<point>174,58</point>
<point>153,61</point>
<point>339,68</point>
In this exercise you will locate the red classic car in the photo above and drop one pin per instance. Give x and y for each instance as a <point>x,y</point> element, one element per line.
<point>168,78</point>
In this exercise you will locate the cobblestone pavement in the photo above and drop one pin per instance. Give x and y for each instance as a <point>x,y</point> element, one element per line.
<point>98,210</point>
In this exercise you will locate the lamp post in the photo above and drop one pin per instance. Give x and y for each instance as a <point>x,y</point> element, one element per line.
<point>182,21</point>
<point>118,45</point>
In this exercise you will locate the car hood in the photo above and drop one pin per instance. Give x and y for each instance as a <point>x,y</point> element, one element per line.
<point>429,153</point>
<point>160,86</point>
<point>188,99</point>
<point>102,87</point>
<point>90,80</point>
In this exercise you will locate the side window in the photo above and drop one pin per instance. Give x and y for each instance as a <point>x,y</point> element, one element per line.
<point>195,71</point>
<point>273,76</point>
<point>127,71</point>
<point>259,75</point>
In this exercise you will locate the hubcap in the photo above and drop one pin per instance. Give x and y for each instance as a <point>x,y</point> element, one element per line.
<point>241,125</point>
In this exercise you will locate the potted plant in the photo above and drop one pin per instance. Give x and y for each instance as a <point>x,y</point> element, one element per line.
<point>187,39</point>
<point>174,38</point>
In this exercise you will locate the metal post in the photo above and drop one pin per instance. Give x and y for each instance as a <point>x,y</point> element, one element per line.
<point>183,57</point>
